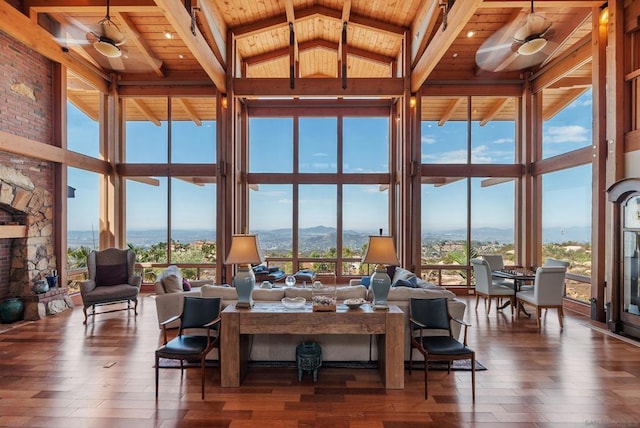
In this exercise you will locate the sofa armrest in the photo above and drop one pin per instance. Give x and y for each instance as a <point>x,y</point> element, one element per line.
<point>356,281</point>
<point>87,286</point>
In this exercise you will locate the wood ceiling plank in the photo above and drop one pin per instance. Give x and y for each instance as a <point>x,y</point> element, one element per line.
<point>570,96</point>
<point>451,108</point>
<point>496,108</point>
<point>191,113</point>
<point>180,19</point>
<point>540,4</point>
<point>83,106</point>
<point>89,6</point>
<point>556,70</point>
<point>140,43</point>
<point>145,110</point>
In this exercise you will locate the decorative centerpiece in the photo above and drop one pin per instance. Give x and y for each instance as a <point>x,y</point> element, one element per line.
<point>323,299</point>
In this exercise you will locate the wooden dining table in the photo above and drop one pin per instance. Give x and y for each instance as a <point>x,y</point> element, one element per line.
<point>519,277</point>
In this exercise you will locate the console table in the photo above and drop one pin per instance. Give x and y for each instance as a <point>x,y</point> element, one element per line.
<point>274,318</point>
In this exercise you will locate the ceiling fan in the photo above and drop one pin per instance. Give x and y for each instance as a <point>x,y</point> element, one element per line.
<point>525,42</point>
<point>108,37</point>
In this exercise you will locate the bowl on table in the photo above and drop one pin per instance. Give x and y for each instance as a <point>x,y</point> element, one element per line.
<point>354,303</point>
<point>293,302</point>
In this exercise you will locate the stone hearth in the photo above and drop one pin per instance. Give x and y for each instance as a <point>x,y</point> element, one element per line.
<point>32,257</point>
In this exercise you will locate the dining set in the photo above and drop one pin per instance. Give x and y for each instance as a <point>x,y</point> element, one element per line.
<point>540,288</point>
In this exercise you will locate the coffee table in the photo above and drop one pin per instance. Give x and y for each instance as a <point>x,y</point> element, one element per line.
<point>273,318</point>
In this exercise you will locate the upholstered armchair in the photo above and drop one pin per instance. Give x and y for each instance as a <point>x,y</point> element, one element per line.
<point>111,280</point>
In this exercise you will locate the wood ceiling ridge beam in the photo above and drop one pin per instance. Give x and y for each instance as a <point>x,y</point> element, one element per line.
<point>24,30</point>
<point>175,12</point>
<point>143,47</point>
<point>260,26</point>
<point>317,43</point>
<point>460,14</point>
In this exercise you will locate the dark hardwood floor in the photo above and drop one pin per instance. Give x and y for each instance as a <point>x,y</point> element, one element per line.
<point>59,373</point>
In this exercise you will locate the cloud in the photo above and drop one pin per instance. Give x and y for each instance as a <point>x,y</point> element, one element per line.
<point>427,140</point>
<point>320,154</point>
<point>478,155</point>
<point>503,141</point>
<point>566,134</point>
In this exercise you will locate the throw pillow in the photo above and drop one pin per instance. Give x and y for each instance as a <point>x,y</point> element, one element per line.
<point>112,274</point>
<point>366,281</point>
<point>172,284</point>
<point>186,285</point>
<point>404,283</point>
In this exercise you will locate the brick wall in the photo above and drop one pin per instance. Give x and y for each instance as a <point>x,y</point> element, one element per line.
<point>24,75</point>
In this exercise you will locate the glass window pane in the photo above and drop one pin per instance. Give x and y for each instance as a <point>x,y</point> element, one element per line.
<point>566,223</point>
<point>271,217</point>
<point>318,145</point>
<point>570,129</point>
<point>364,212</point>
<point>193,130</point>
<point>366,145</point>
<point>146,219</point>
<point>146,138</point>
<point>83,221</point>
<point>444,225</point>
<point>493,141</point>
<point>193,224</point>
<point>317,210</point>
<point>493,218</point>
<point>271,145</point>
<point>83,117</point>
<point>444,140</point>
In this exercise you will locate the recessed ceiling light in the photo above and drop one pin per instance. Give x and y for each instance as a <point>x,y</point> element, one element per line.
<point>181,56</point>
<point>168,35</point>
<point>470,33</point>
<point>455,54</point>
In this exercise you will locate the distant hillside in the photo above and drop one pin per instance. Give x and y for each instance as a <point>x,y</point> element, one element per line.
<point>323,237</point>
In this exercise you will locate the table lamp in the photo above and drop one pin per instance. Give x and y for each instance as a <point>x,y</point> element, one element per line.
<point>380,251</point>
<point>244,252</point>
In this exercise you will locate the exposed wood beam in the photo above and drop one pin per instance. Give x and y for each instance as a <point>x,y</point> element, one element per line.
<point>180,19</point>
<point>322,87</point>
<point>216,28</point>
<point>478,88</point>
<point>21,28</point>
<point>571,82</point>
<point>130,28</point>
<point>146,112</point>
<point>437,170</point>
<point>271,23</point>
<point>495,109</point>
<point>189,110</point>
<point>577,157</point>
<point>317,43</point>
<point>198,181</point>
<point>89,6</point>
<point>540,4</point>
<point>459,15</point>
<point>33,149</point>
<point>563,102</point>
<point>83,106</point>
<point>559,68</point>
<point>421,28</point>
<point>160,90</point>
<point>565,34</point>
<point>453,105</point>
<point>495,180</point>
<point>146,180</point>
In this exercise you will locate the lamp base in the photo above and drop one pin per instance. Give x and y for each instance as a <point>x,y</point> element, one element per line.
<point>244,281</point>
<point>380,284</point>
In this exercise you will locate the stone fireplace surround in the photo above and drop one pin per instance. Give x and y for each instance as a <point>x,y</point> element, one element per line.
<point>30,258</point>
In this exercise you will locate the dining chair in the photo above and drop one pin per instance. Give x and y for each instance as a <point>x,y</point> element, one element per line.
<point>496,262</point>
<point>548,291</point>
<point>485,286</point>
<point>429,316</point>
<point>197,313</point>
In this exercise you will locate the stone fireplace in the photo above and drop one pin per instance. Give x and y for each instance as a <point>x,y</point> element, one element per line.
<point>27,249</point>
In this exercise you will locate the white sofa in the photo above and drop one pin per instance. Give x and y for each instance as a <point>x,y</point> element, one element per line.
<point>360,348</point>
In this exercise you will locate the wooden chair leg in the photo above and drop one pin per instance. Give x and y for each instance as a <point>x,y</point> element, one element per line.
<point>202,362</point>
<point>157,374</point>
<point>560,316</point>
<point>489,305</point>
<point>426,378</point>
<point>538,315</point>
<point>473,377</point>
<point>513,305</point>
<point>477,300</point>
<point>410,358</point>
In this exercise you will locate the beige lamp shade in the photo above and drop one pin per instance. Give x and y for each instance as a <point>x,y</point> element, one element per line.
<point>381,250</point>
<point>244,250</point>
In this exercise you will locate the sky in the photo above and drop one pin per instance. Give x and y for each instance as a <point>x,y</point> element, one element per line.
<point>566,196</point>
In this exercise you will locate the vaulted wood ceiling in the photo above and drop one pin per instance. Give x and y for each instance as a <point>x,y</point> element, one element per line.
<point>168,43</point>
